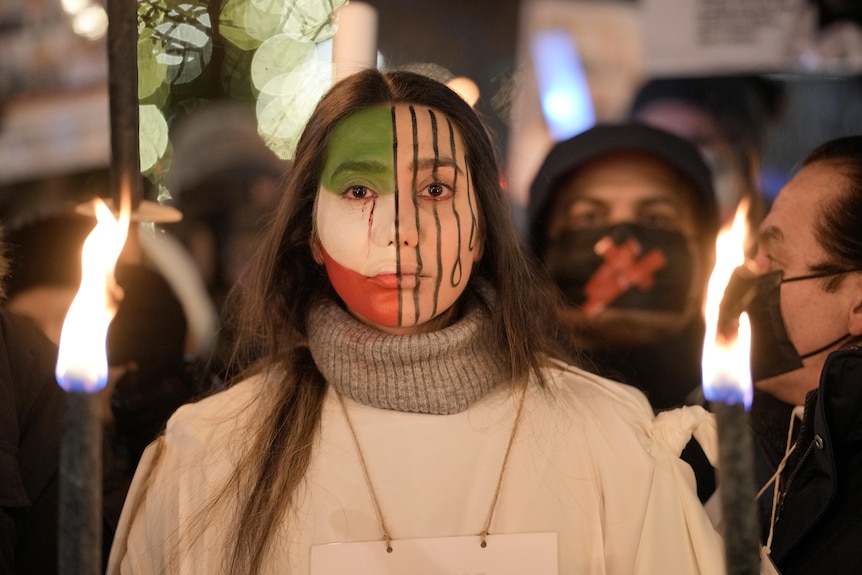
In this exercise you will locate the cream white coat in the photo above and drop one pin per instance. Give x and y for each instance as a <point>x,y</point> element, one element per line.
<point>590,462</point>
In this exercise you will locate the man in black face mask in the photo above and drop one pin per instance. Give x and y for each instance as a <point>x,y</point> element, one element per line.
<point>625,218</point>
<point>805,309</point>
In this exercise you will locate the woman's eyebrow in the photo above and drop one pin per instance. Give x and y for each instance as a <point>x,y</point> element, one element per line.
<point>431,163</point>
<point>365,166</point>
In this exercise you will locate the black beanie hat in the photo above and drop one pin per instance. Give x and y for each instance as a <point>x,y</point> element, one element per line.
<point>567,156</point>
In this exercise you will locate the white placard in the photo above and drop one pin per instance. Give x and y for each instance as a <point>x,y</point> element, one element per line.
<point>712,36</point>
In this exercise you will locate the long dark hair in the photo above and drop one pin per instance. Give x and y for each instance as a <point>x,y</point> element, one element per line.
<point>4,266</point>
<point>839,229</point>
<point>284,282</point>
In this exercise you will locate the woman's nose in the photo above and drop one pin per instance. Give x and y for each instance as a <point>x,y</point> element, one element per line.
<point>395,227</point>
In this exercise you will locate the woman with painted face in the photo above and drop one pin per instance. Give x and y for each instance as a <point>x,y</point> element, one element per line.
<point>406,412</point>
<point>806,321</point>
<point>624,217</point>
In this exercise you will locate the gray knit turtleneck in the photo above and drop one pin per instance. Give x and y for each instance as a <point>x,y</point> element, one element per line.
<point>440,372</point>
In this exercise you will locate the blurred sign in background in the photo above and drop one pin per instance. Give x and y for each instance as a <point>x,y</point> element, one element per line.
<point>53,98</point>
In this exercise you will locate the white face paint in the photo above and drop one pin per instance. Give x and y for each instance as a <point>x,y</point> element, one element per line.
<point>396,216</point>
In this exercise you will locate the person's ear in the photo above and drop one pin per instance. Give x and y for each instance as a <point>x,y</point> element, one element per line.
<point>854,325</point>
<point>316,249</point>
<point>479,250</point>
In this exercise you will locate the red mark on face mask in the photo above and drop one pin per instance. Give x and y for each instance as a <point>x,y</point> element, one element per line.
<point>620,271</point>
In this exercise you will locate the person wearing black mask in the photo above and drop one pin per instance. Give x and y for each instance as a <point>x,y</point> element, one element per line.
<point>624,217</point>
<point>805,309</point>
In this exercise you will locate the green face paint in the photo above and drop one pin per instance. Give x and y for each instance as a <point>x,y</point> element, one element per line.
<point>360,152</point>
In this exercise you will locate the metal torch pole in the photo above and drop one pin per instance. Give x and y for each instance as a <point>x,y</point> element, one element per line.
<point>80,490</point>
<point>737,488</point>
<point>125,175</point>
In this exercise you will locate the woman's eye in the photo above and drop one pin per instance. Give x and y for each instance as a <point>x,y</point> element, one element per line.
<point>437,191</point>
<point>357,192</point>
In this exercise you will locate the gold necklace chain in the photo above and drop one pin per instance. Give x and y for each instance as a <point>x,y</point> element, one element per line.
<point>387,538</point>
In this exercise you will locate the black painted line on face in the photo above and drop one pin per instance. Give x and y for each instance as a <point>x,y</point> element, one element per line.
<point>457,269</point>
<point>397,233</point>
<point>415,128</point>
<point>470,198</point>
<point>435,144</point>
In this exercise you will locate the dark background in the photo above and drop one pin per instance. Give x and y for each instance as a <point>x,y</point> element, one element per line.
<point>478,39</point>
<point>473,38</point>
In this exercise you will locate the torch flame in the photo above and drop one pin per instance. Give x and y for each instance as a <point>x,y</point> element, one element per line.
<point>725,366</point>
<point>82,361</point>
